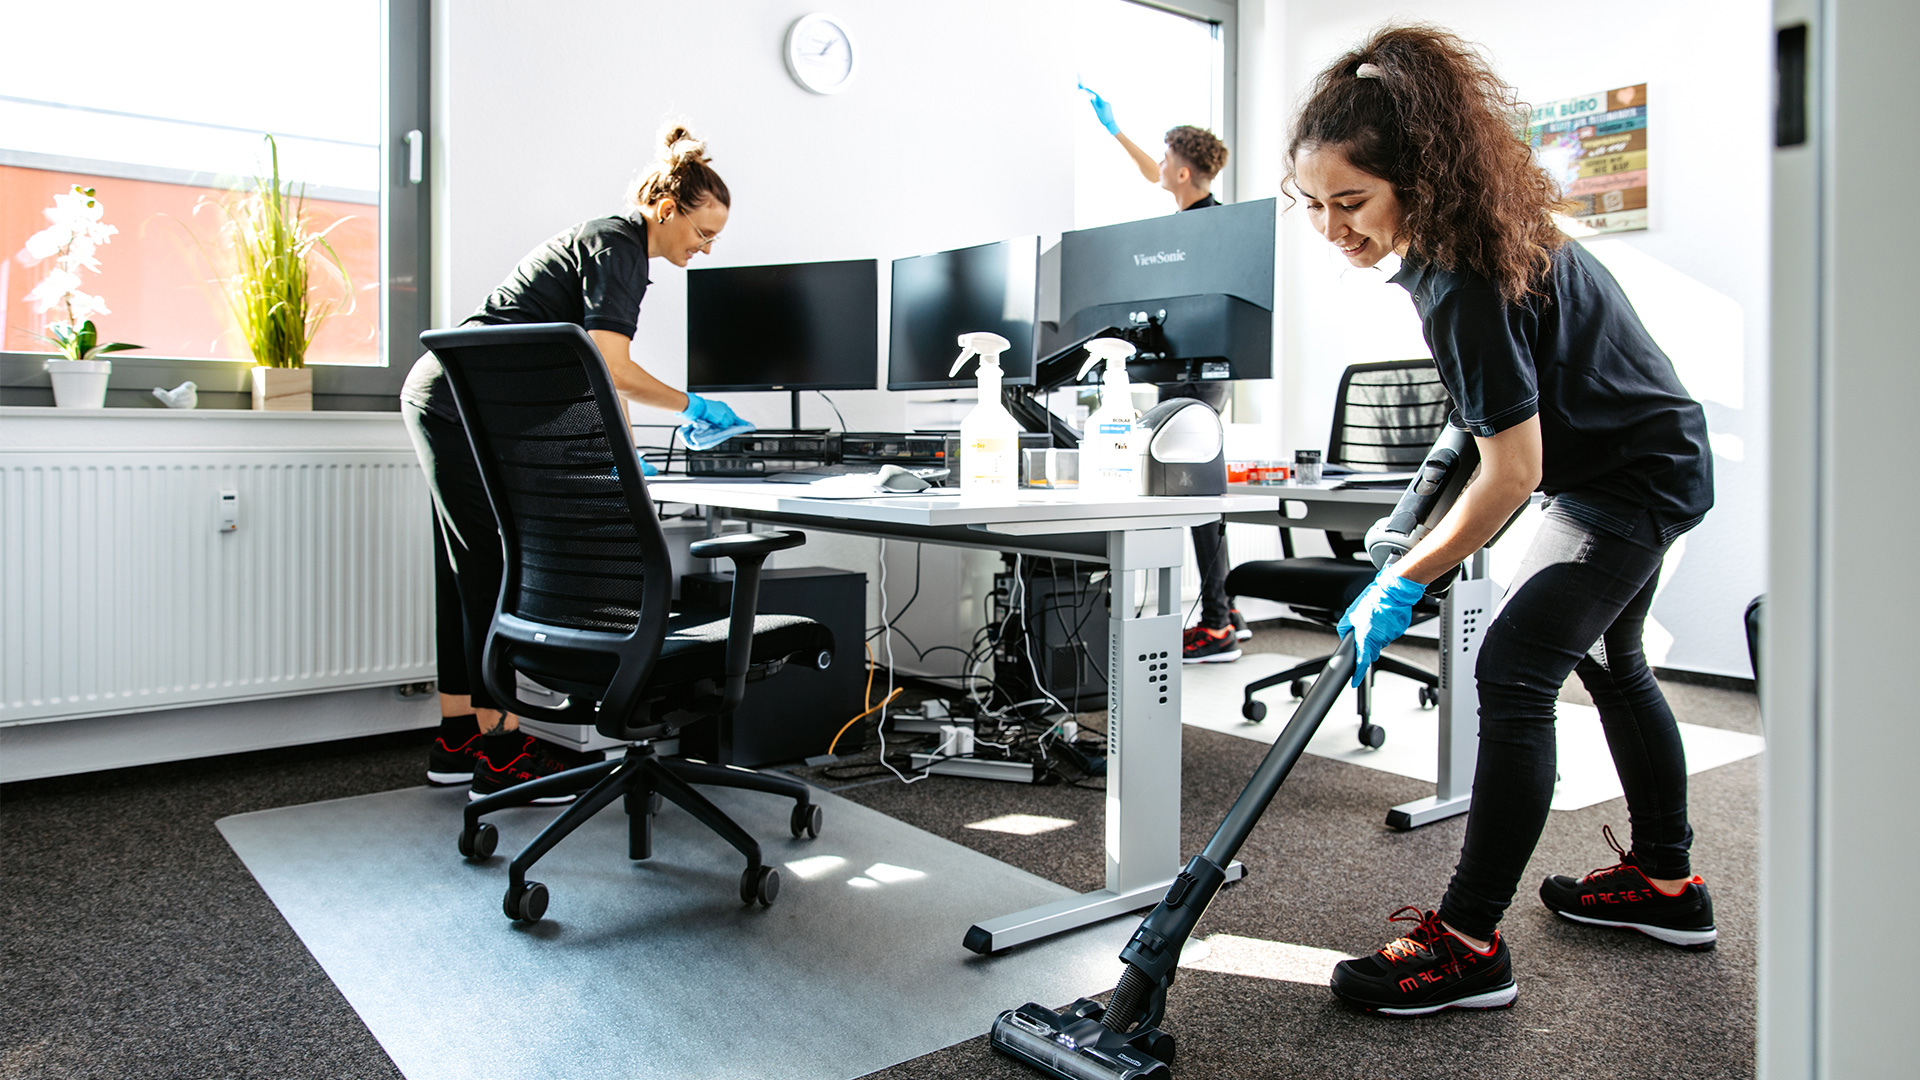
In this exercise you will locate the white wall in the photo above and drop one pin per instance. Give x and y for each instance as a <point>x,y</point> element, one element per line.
<point>1698,277</point>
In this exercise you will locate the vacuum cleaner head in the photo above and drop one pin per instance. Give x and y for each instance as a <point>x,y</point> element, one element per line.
<point>1074,1046</point>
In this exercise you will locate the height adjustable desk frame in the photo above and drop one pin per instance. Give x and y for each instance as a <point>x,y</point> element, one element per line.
<point>1142,837</point>
<point>1465,613</point>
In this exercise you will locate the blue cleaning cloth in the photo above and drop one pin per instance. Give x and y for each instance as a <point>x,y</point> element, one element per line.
<point>701,435</point>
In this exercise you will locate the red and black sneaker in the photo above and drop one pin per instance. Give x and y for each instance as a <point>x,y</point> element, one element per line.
<point>450,758</point>
<point>1205,645</point>
<point>498,769</point>
<point>1241,630</point>
<point>1428,970</point>
<point>1623,895</point>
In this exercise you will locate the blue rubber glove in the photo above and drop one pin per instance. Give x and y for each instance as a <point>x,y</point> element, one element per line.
<point>701,410</point>
<point>710,423</point>
<point>1381,612</point>
<point>647,468</point>
<point>1102,111</point>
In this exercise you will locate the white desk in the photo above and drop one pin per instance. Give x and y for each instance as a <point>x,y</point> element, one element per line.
<point>1143,657</point>
<point>1465,613</point>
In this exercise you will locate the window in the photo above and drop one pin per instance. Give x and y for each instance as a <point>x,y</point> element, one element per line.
<point>161,109</point>
<point>1159,69</point>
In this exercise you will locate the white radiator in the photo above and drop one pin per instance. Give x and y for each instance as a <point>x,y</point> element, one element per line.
<point>120,591</point>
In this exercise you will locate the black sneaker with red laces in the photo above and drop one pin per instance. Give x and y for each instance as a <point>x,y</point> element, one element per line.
<point>1428,970</point>
<point>1623,895</point>
<point>1205,645</point>
<point>503,761</point>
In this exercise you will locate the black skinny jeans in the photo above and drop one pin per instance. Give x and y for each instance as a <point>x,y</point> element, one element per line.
<point>467,559</point>
<point>1578,604</point>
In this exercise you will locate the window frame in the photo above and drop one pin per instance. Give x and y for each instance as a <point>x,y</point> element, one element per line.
<point>1224,15</point>
<point>406,263</point>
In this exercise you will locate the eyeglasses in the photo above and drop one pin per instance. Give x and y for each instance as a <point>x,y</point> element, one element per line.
<point>706,238</point>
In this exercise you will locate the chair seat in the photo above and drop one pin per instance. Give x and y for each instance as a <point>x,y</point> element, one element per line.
<point>1309,582</point>
<point>696,643</point>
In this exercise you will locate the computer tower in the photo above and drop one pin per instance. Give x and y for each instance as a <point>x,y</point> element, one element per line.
<point>795,714</point>
<point>1059,650</point>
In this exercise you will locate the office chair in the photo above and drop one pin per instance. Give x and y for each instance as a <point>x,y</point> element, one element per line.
<point>585,607</point>
<point>1385,418</point>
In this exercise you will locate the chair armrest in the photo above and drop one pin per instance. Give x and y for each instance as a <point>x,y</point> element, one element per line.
<point>747,545</point>
<point>748,551</point>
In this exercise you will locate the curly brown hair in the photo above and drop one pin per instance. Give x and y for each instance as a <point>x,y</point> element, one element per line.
<point>1431,118</point>
<point>682,172</point>
<point>1199,148</point>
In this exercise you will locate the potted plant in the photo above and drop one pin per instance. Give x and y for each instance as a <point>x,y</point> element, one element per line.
<point>74,233</point>
<point>274,247</point>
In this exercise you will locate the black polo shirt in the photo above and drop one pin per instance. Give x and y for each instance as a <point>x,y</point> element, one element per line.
<point>593,275</point>
<point>1621,435</point>
<point>1202,202</point>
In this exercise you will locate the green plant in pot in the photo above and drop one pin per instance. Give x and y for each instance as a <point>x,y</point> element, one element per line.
<point>72,238</point>
<point>270,291</point>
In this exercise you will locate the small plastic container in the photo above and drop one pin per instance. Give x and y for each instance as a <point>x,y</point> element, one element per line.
<point>1306,466</point>
<point>1237,472</point>
<point>1268,472</point>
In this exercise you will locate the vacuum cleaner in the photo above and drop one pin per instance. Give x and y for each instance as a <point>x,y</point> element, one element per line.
<point>1122,1040</point>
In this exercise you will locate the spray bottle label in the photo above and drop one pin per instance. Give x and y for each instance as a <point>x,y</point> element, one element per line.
<point>988,463</point>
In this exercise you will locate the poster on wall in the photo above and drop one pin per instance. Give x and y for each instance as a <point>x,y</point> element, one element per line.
<point>1595,145</point>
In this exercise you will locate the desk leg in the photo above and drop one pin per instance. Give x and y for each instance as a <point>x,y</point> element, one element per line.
<point>1143,748</point>
<point>1464,615</point>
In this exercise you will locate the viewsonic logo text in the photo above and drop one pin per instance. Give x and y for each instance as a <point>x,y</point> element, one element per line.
<point>1160,257</point>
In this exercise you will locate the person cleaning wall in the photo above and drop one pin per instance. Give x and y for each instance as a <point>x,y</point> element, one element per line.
<point>1193,157</point>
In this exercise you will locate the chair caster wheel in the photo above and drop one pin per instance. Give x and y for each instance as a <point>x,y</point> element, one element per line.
<point>1372,736</point>
<point>1429,697</point>
<point>527,903</point>
<point>479,842</point>
<point>760,883</point>
<point>1298,688</point>
<point>807,819</point>
<point>1255,711</point>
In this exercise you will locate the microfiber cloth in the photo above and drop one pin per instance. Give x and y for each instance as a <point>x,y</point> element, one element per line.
<point>703,436</point>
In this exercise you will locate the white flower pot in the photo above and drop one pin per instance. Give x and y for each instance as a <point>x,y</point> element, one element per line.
<point>79,384</point>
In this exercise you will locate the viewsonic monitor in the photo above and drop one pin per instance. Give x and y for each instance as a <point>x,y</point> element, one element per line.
<point>792,326</point>
<point>1210,270</point>
<point>938,297</point>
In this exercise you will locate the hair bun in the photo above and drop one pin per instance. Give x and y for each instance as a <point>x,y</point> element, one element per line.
<point>680,146</point>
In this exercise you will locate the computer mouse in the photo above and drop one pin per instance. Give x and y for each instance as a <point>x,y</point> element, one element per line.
<point>895,478</point>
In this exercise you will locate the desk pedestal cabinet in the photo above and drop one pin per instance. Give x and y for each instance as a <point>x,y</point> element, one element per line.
<point>798,719</point>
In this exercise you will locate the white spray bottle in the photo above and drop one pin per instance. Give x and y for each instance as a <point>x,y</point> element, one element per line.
<point>989,438</point>
<point>1109,456</point>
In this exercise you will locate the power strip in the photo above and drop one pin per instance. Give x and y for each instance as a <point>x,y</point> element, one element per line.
<point>1016,772</point>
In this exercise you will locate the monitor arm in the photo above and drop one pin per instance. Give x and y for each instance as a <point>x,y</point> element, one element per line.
<point>1062,368</point>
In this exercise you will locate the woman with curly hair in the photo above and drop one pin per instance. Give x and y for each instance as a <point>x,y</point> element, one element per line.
<point>1409,145</point>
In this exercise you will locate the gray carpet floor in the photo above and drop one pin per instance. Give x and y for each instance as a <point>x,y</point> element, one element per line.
<point>137,945</point>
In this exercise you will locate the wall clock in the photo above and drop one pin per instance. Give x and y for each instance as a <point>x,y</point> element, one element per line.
<point>820,53</point>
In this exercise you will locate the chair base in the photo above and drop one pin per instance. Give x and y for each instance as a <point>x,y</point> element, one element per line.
<point>1372,735</point>
<point>641,779</point>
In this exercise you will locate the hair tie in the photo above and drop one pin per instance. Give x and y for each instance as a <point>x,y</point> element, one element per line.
<point>1369,71</point>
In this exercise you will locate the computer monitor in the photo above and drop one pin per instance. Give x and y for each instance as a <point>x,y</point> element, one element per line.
<point>938,297</point>
<point>1210,270</point>
<point>792,326</point>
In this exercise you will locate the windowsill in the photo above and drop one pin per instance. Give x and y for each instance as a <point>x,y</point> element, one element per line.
<point>224,385</point>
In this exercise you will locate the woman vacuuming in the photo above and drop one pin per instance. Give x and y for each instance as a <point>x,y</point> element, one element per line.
<point>1407,146</point>
<point>592,275</point>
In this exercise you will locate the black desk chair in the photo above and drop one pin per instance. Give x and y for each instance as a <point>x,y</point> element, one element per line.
<point>1385,419</point>
<point>585,607</point>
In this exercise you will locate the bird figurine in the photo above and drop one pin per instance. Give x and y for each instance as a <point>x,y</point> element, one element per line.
<point>184,396</point>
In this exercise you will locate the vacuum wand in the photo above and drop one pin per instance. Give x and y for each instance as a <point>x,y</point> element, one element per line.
<point>1122,1039</point>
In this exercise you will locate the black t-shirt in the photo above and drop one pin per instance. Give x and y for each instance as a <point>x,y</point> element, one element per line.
<point>593,275</point>
<point>1202,202</point>
<point>1621,435</point>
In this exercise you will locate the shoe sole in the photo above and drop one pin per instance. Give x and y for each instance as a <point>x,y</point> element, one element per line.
<point>1500,998</point>
<point>1243,635</point>
<point>1215,658</point>
<point>447,778</point>
<point>1686,939</point>
<point>546,800</point>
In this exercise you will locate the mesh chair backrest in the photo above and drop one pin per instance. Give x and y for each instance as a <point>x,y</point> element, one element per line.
<point>578,540</point>
<point>1387,416</point>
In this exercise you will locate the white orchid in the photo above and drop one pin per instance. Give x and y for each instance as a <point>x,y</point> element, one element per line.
<point>73,235</point>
